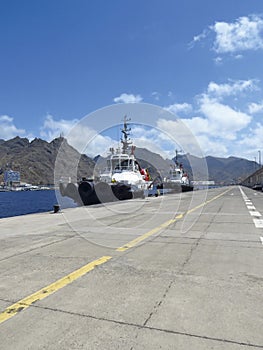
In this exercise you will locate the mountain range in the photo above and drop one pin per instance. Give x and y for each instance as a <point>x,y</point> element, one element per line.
<point>36,159</point>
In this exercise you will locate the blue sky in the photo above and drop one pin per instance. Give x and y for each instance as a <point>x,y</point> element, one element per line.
<point>200,60</point>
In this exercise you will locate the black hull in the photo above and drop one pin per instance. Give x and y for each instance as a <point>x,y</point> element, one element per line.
<point>89,193</point>
<point>171,187</point>
<point>187,188</point>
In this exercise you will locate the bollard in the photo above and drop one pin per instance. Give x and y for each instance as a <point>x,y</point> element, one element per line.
<point>56,208</point>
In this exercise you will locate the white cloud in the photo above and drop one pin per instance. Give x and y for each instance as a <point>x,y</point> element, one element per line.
<point>200,136</point>
<point>255,107</point>
<point>78,134</point>
<point>222,118</point>
<point>154,139</point>
<point>251,142</point>
<point>218,60</point>
<point>128,98</point>
<point>98,145</point>
<point>218,119</point>
<point>215,116</point>
<point>199,125</point>
<point>233,38</point>
<point>230,89</point>
<point>8,130</point>
<point>179,107</point>
<point>243,34</point>
<point>212,146</point>
<point>198,38</point>
<point>253,138</point>
<point>54,128</point>
<point>216,125</point>
<point>215,136</point>
<point>156,95</point>
<point>179,132</point>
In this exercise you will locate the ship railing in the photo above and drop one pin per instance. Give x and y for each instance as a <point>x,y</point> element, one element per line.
<point>65,179</point>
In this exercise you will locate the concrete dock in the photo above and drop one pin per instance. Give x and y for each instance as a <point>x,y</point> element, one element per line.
<point>182,271</point>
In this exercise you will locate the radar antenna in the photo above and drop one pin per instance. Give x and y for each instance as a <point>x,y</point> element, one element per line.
<point>126,141</point>
<point>176,156</point>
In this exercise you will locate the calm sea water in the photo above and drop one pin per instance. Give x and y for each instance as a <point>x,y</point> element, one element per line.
<point>27,202</point>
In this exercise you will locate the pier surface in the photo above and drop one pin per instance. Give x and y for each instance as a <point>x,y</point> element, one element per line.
<point>182,271</point>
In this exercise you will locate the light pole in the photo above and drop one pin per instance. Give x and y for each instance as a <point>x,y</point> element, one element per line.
<point>259,158</point>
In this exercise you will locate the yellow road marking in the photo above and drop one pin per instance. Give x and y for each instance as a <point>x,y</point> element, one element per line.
<point>179,216</point>
<point>144,236</point>
<point>165,225</point>
<point>52,288</point>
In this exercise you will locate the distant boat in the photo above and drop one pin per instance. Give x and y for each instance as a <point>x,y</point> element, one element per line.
<point>178,179</point>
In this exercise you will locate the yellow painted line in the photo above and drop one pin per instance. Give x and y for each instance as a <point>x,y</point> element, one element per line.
<point>144,236</point>
<point>179,216</point>
<point>165,225</point>
<point>52,288</point>
<point>206,202</point>
<point>64,281</point>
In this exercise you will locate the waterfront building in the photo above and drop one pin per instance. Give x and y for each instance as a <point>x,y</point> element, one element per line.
<point>11,178</point>
<point>255,179</point>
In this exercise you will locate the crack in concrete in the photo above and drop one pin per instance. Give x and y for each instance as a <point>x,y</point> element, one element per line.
<point>39,247</point>
<point>151,328</point>
<point>188,258</point>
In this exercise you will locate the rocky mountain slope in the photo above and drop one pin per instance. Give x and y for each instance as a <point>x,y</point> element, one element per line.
<point>221,170</point>
<point>36,161</point>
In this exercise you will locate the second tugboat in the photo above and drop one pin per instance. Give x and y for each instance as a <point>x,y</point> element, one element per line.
<point>178,180</point>
<point>123,178</point>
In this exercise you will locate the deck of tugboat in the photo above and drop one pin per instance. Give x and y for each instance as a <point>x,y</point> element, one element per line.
<point>179,271</point>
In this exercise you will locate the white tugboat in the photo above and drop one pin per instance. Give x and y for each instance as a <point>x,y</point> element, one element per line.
<point>122,166</point>
<point>123,178</point>
<point>177,180</point>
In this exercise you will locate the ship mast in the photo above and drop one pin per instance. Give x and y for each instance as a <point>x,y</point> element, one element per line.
<point>176,156</point>
<point>126,141</point>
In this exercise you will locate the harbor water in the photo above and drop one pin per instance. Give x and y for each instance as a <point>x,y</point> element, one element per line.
<point>28,202</point>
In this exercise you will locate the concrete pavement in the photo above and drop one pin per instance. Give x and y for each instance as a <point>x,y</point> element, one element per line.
<point>184,271</point>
